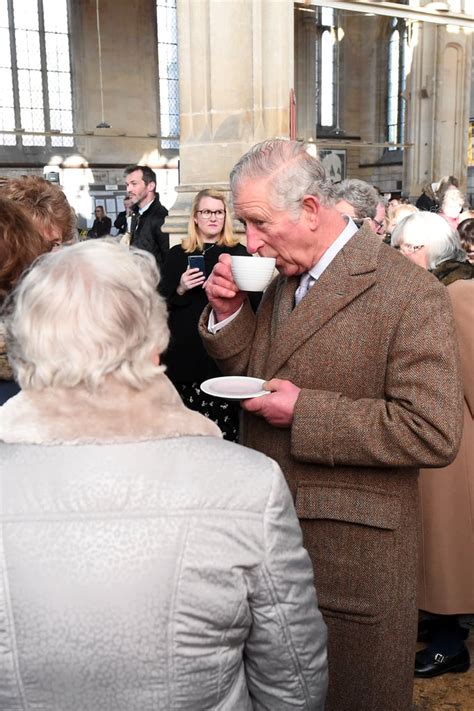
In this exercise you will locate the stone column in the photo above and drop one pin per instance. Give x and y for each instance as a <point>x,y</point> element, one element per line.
<point>438,97</point>
<point>236,72</point>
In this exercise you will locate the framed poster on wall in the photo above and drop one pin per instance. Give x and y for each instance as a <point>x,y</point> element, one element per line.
<point>335,163</point>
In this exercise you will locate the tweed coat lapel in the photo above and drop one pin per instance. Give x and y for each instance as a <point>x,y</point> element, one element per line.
<point>284,300</point>
<point>352,272</point>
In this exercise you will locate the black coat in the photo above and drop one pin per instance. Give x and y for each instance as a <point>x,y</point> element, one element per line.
<point>8,388</point>
<point>121,222</point>
<point>186,358</point>
<point>101,228</point>
<point>146,231</point>
<point>427,204</point>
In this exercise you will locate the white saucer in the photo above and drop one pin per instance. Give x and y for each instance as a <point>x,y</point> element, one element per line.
<point>234,387</point>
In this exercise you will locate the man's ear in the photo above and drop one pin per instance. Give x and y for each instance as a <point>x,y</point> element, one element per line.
<point>151,187</point>
<point>310,208</point>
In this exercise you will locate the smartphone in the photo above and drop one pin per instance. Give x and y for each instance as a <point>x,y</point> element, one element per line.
<point>197,262</point>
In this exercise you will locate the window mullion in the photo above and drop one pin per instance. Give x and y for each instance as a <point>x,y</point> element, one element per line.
<point>401,82</point>
<point>16,90</point>
<point>318,58</point>
<point>44,71</point>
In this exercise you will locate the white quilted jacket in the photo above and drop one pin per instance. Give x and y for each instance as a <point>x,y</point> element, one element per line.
<point>166,573</point>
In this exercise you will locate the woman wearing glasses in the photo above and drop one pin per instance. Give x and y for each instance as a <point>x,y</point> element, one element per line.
<point>188,365</point>
<point>446,572</point>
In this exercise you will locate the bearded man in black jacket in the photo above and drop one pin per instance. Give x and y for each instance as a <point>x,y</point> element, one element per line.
<point>149,213</point>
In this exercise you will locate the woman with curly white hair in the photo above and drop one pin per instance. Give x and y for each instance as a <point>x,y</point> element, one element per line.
<point>146,562</point>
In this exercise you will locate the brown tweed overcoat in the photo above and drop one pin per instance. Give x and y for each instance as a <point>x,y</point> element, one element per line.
<point>371,346</point>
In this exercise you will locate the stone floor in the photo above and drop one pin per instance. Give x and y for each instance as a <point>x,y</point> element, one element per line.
<point>449,692</point>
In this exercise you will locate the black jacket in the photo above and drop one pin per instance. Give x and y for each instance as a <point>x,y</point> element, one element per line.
<point>146,231</point>
<point>427,204</point>
<point>101,228</point>
<point>186,359</point>
<point>121,222</point>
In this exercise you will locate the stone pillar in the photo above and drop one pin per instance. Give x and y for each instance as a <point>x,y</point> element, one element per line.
<point>236,72</point>
<point>438,98</point>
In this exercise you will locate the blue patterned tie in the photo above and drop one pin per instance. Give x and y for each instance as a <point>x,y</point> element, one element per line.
<point>306,282</point>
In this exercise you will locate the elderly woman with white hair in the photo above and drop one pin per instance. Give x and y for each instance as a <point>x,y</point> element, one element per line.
<point>446,572</point>
<point>146,563</point>
<point>433,244</point>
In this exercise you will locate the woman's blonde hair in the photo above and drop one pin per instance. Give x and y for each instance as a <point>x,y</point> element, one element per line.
<point>396,213</point>
<point>194,241</point>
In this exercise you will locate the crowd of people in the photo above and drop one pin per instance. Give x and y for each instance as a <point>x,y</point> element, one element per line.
<point>150,563</point>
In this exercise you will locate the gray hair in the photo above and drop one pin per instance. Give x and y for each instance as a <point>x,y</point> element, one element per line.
<point>361,195</point>
<point>85,312</point>
<point>291,170</point>
<point>434,233</point>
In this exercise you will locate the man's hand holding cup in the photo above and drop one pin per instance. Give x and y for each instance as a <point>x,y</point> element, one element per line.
<point>232,277</point>
<point>222,292</point>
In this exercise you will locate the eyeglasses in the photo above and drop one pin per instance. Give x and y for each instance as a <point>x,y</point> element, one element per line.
<point>409,248</point>
<point>378,225</point>
<point>207,214</point>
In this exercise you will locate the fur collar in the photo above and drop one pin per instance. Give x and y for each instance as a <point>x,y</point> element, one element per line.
<point>451,270</point>
<point>115,413</point>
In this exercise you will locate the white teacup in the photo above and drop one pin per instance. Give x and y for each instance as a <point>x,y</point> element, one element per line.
<point>252,273</point>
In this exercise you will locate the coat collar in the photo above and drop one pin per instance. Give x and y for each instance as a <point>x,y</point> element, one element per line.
<point>115,413</point>
<point>352,272</point>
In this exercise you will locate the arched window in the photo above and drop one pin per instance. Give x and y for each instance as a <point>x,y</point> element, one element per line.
<point>325,58</point>
<point>397,69</point>
<point>168,75</point>
<point>35,73</point>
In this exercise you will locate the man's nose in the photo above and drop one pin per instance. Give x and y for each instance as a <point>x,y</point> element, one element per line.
<point>254,241</point>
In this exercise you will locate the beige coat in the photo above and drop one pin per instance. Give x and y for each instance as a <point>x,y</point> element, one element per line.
<point>446,584</point>
<point>380,397</point>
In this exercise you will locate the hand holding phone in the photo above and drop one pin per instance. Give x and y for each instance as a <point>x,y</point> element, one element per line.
<point>193,276</point>
<point>196,261</point>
